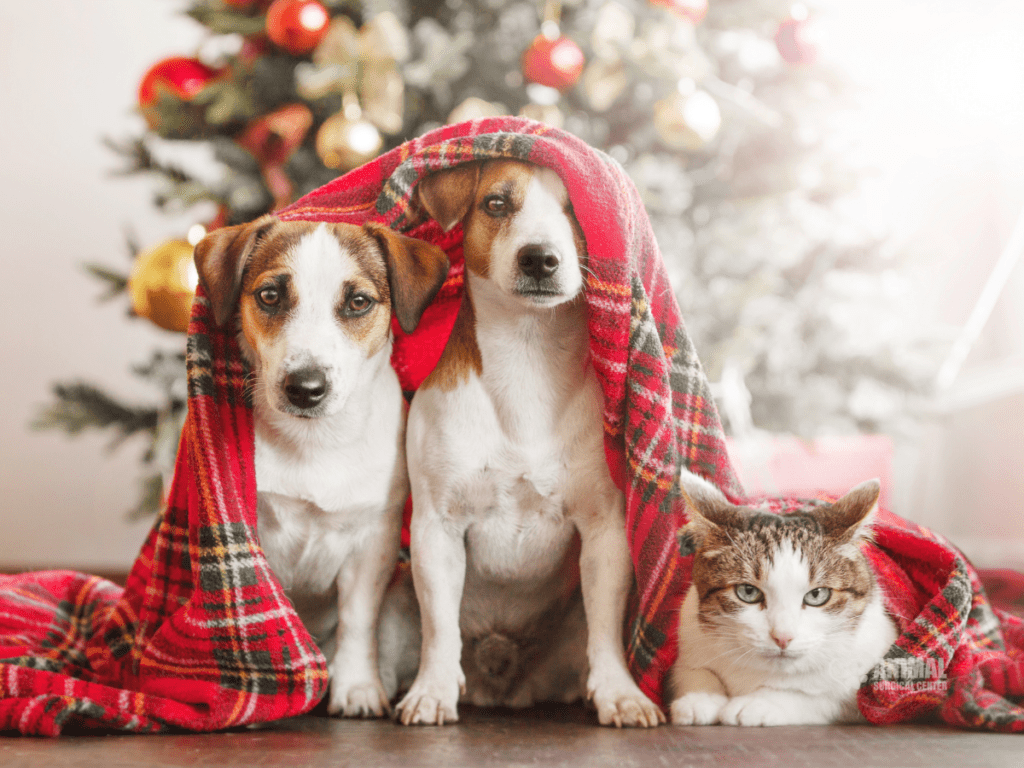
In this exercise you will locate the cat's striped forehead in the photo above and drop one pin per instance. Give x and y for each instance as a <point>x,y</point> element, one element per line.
<point>742,552</point>
<point>759,535</point>
<point>745,550</point>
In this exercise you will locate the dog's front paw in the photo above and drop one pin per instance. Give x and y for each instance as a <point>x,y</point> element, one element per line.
<point>697,708</point>
<point>755,710</point>
<point>431,702</point>
<point>359,699</point>
<point>625,705</point>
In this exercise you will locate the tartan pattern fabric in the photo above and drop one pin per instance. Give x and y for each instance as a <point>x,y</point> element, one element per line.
<point>658,411</point>
<point>202,637</point>
<point>659,416</point>
<point>957,659</point>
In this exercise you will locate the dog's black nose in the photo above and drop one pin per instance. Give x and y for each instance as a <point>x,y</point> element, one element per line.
<point>537,261</point>
<point>305,387</point>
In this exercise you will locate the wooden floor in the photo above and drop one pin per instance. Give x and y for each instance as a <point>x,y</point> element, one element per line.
<point>557,736</point>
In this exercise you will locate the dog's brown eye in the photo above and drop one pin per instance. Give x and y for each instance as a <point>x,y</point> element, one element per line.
<point>358,304</point>
<point>495,205</point>
<point>269,296</point>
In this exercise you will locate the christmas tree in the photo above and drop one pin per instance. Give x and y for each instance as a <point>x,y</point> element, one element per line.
<point>719,110</point>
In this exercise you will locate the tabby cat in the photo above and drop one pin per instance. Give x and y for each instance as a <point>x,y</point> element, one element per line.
<point>784,617</point>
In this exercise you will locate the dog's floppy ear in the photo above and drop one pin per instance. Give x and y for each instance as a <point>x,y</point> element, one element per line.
<point>447,195</point>
<point>220,260</point>
<point>416,272</point>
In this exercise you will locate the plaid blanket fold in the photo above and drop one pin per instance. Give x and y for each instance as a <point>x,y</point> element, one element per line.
<point>202,636</point>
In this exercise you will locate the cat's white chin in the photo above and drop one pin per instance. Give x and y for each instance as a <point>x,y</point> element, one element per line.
<point>787,662</point>
<point>774,654</point>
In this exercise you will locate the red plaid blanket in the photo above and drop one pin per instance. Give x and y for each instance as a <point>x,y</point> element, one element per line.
<point>658,412</point>
<point>202,636</point>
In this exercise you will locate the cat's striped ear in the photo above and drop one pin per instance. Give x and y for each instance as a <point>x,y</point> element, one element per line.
<point>706,507</point>
<point>704,498</point>
<point>850,517</point>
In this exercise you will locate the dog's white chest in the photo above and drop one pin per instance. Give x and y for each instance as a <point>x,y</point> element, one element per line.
<point>514,476</point>
<point>520,478</point>
<point>304,545</point>
<point>515,503</point>
<point>318,500</point>
<point>339,482</point>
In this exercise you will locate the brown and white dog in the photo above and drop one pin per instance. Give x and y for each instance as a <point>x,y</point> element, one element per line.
<point>316,302</point>
<point>512,496</point>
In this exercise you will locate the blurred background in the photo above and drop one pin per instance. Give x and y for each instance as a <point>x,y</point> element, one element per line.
<point>836,187</point>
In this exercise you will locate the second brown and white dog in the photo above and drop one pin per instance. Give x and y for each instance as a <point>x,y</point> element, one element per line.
<point>512,496</point>
<point>316,302</point>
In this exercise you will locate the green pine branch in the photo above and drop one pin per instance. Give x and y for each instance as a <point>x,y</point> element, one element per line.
<point>182,188</point>
<point>151,498</point>
<point>139,159</point>
<point>222,20</point>
<point>116,282</point>
<point>80,406</point>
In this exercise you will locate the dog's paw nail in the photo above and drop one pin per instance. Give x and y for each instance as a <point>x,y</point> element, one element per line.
<point>630,710</point>
<point>424,709</point>
<point>360,700</point>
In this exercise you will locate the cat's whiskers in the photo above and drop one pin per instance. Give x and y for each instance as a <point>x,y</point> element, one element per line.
<point>780,641</point>
<point>740,661</point>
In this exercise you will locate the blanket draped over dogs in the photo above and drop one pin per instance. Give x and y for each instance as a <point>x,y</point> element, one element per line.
<point>203,637</point>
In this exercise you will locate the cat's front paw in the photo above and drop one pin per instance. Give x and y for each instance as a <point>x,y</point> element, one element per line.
<point>754,710</point>
<point>697,708</point>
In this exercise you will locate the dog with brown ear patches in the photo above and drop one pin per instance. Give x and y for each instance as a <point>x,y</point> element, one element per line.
<point>315,303</point>
<point>514,507</point>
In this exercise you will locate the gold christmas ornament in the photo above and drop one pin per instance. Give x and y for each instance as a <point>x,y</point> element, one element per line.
<point>603,82</point>
<point>162,285</point>
<point>613,31</point>
<point>385,37</point>
<point>364,62</point>
<point>383,92</point>
<point>687,121</point>
<point>475,109</point>
<point>340,45</point>
<point>544,113</point>
<point>347,140</point>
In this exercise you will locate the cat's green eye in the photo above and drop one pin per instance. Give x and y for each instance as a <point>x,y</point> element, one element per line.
<point>818,596</point>
<point>748,593</point>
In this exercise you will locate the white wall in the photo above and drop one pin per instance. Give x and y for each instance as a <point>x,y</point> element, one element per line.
<point>943,121</point>
<point>968,482</point>
<point>68,76</point>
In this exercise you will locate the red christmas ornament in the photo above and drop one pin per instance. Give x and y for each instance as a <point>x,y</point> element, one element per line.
<point>272,139</point>
<point>298,26</point>
<point>694,10</point>
<point>253,47</point>
<point>555,63</point>
<point>181,76</point>
<point>219,220</point>
<point>795,41</point>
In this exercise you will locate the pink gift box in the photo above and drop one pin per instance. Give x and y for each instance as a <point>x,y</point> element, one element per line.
<point>786,465</point>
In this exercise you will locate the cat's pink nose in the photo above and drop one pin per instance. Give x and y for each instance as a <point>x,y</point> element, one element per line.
<point>782,640</point>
